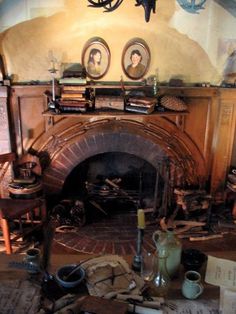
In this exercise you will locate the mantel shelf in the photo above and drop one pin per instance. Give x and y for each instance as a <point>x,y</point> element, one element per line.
<point>113,113</point>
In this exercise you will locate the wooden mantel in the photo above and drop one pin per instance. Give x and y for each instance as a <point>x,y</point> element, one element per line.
<point>210,123</point>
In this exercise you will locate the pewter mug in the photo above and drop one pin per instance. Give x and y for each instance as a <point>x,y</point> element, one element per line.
<point>192,287</point>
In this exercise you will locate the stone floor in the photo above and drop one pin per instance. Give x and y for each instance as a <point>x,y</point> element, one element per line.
<point>109,235</point>
<point>117,235</point>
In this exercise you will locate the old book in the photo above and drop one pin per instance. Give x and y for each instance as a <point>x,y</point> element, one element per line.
<point>72,109</point>
<point>73,103</point>
<point>140,105</point>
<point>109,102</point>
<point>73,87</point>
<point>73,80</point>
<point>74,99</point>
<point>143,100</point>
<point>72,95</point>
<point>73,70</point>
<point>138,109</point>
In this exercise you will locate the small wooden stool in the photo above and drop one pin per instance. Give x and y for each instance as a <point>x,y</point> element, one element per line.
<point>19,210</point>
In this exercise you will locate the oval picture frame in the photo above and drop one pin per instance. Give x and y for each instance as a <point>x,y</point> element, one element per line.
<point>138,50</point>
<point>96,58</point>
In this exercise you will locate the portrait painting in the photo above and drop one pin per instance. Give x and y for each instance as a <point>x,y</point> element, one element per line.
<point>96,58</point>
<point>136,59</point>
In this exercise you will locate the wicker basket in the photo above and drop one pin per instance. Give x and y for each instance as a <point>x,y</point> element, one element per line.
<point>173,103</point>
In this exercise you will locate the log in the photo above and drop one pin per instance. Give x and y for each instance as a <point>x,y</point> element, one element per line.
<point>206,238</point>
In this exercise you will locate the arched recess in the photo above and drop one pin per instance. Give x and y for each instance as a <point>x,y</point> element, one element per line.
<point>69,143</point>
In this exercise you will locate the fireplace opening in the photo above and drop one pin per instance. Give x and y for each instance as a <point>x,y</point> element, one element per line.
<point>107,184</point>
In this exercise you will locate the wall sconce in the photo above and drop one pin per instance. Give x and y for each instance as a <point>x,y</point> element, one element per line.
<point>112,5</point>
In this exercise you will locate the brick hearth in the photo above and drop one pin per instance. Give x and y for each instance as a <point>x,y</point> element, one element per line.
<point>112,235</point>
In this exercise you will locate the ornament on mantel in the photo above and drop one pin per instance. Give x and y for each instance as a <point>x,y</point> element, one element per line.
<point>112,5</point>
<point>192,6</point>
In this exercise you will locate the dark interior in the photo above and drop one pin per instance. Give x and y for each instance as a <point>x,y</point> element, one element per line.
<point>134,180</point>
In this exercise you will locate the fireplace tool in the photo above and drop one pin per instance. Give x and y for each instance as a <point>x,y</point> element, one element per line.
<point>137,260</point>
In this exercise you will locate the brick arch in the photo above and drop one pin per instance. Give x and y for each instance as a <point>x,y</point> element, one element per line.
<point>69,145</point>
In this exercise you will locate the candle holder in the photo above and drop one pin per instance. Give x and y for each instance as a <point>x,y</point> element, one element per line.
<point>52,105</point>
<point>137,260</point>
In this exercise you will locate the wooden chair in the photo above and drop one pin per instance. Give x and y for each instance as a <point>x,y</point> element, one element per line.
<point>6,162</point>
<point>28,214</point>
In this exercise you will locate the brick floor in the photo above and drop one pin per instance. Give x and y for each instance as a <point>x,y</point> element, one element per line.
<point>110,235</point>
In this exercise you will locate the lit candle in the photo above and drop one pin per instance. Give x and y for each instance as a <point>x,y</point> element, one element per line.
<point>141,219</point>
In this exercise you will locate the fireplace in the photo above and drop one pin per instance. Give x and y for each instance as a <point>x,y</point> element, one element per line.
<point>112,176</point>
<point>122,146</point>
<point>187,149</point>
<point>151,155</point>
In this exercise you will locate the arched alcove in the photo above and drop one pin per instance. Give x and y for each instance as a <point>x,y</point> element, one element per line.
<point>68,146</point>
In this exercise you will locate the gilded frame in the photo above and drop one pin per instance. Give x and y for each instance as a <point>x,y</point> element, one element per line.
<point>96,58</point>
<point>136,47</point>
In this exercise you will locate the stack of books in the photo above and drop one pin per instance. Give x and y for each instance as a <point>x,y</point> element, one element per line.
<point>73,99</point>
<point>73,90</point>
<point>141,104</point>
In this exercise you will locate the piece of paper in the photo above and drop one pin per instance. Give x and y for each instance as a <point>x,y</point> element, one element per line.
<point>193,307</point>
<point>19,297</point>
<point>227,301</point>
<point>221,272</point>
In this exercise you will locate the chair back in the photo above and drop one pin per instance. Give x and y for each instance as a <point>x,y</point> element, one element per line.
<point>6,162</point>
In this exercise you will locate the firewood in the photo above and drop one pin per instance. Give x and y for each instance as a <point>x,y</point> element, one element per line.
<point>185,225</point>
<point>205,238</point>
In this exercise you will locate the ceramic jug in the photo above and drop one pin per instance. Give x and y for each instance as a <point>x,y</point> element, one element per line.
<point>168,241</point>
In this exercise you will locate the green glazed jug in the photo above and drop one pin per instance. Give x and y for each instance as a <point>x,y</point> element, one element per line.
<point>167,241</point>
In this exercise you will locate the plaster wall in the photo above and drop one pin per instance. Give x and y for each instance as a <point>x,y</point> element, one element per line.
<point>182,45</point>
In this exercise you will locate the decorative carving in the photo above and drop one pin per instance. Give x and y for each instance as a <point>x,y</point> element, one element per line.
<point>226,114</point>
<point>108,134</point>
<point>3,115</point>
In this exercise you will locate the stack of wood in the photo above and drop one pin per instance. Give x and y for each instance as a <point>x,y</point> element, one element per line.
<point>74,99</point>
<point>142,104</point>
